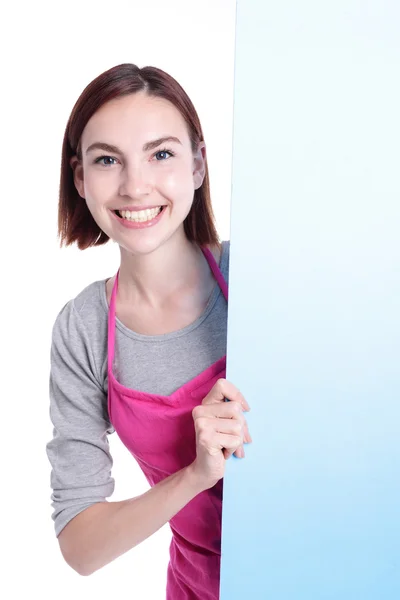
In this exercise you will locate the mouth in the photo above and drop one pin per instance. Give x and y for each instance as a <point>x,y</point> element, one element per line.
<point>139,216</point>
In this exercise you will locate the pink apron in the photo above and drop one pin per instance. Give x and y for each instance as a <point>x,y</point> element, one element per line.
<point>159,432</point>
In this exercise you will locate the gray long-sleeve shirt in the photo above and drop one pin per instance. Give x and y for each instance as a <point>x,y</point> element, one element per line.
<point>79,451</point>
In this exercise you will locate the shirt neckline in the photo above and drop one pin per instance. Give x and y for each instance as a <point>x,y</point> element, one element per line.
<point>164,337</point>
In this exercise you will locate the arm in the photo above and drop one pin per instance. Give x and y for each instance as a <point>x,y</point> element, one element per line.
<point>92,531</point>
<point>106,530</point>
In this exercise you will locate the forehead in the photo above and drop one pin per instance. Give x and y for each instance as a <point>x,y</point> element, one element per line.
<point>136,117</point>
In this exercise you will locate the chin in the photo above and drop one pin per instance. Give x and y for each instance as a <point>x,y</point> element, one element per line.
<point>140,248</point>
<point>146,244</point>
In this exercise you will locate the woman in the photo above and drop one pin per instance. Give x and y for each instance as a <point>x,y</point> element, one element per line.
<point>143,353</point>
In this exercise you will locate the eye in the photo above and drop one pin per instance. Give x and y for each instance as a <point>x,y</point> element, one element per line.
<point>97,161</point>
<point>162,154</point>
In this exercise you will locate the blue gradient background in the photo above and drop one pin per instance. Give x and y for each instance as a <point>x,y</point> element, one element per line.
<point>313,511</point>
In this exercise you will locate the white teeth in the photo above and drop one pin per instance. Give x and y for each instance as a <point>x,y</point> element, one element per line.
<point>140,216</point>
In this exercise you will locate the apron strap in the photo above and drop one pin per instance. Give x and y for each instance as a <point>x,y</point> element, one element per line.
<point>216,271</point>
<point>111,324</point>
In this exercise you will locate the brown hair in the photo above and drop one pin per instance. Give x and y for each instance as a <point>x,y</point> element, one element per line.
<point>75,222</point>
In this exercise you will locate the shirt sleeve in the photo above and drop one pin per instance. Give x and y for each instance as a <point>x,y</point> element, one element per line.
<point>79,450</point>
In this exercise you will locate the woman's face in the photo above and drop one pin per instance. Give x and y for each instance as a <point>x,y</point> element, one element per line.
<point>137,160</point>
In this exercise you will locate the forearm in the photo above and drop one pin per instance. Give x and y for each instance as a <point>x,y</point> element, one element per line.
<point>104,531</point>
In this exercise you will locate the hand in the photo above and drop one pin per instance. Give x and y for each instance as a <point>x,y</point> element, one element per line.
<point>221,430</point>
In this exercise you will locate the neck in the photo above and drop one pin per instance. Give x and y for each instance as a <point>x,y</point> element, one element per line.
<point>153,279</point>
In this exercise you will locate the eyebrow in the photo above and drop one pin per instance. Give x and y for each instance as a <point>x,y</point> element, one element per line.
<point>148,146</point>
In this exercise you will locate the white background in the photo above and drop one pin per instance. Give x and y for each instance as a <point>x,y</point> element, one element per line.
<point>50,52</point>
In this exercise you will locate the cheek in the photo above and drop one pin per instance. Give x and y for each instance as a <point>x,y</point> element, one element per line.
<point>178,183</point>
<point>97,188</point>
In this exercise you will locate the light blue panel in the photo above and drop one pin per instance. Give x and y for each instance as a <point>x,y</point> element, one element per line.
<point>313,511</point>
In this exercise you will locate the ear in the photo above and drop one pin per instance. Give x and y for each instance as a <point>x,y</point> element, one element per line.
<point>77,169</point>
<point>199,165</point>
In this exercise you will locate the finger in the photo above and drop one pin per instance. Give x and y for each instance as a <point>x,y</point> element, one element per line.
<point>239,453</point>
<point>230,426</point>
<point>225,390</point>
<point>213,442</point>
<point>208,428</point>
<point>229,438</point>
<point>247,437</point>
<point>226,410</point>
<point>226,442</point>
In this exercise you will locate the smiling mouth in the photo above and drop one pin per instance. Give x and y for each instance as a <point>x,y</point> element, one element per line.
<point>139,216</point>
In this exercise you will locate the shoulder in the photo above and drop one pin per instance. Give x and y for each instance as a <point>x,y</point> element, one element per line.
<point>84,312</point>
<point>224,258</point>
<point>90,299</point>
<point>79,335</point>
<point>225,248</point>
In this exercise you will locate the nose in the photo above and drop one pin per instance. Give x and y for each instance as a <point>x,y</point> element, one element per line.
<point>136,181</point>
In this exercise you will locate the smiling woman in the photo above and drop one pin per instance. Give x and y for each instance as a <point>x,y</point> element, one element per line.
<point>109,106</point>
<point>143,353</point>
